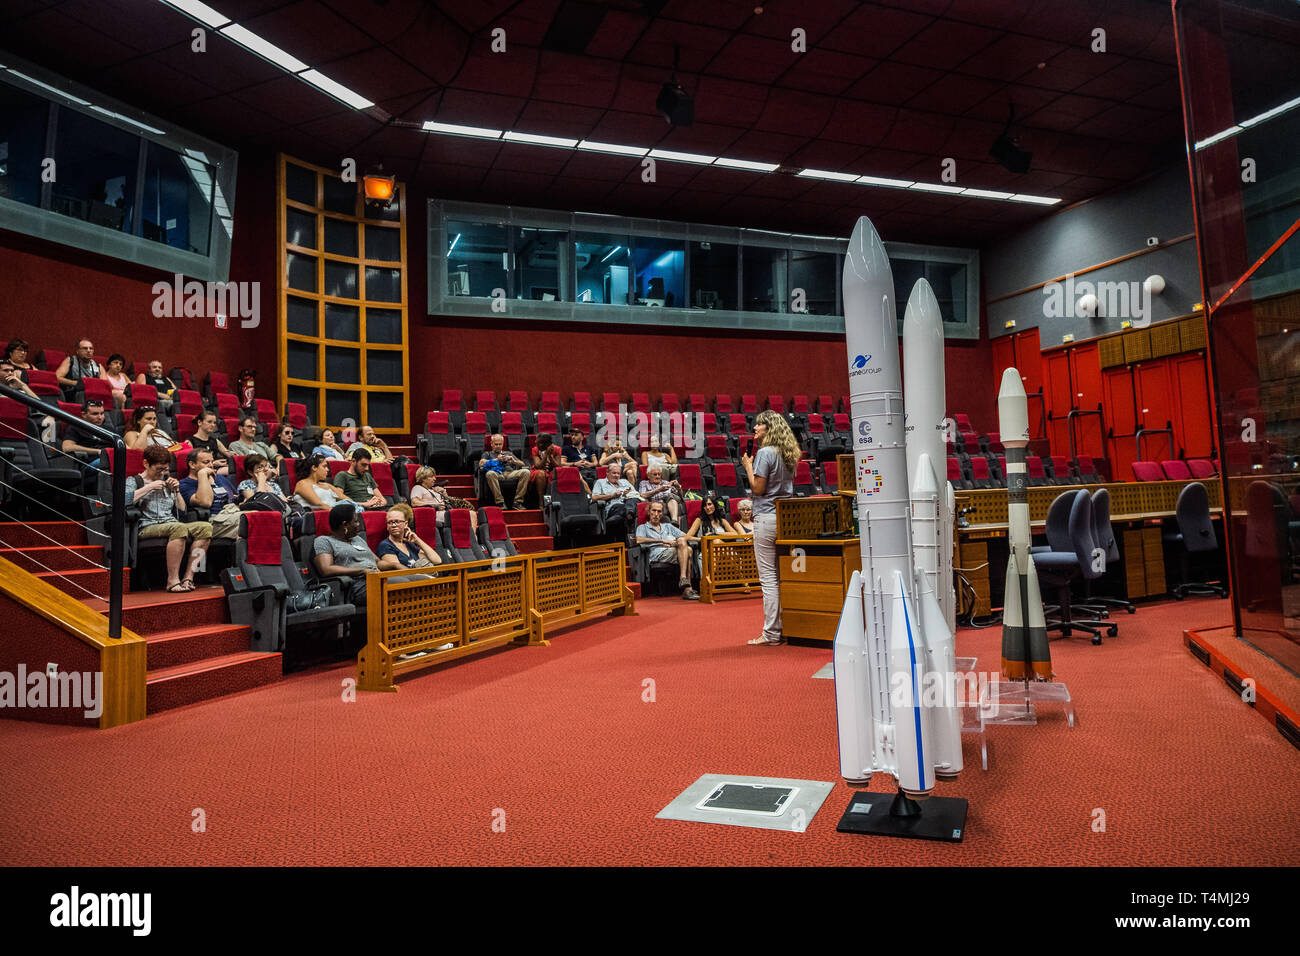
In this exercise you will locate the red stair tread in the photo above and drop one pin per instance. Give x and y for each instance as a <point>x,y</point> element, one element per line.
<point>21,534</point>
<point>56,557</point>
<point>206,664</point>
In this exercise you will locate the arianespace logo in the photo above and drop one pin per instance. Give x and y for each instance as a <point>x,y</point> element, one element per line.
<point>860,366</point>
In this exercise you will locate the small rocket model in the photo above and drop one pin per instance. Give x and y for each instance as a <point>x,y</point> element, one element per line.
<point>1024,633</point>
<point>893,652</point>
<point>923,395</point>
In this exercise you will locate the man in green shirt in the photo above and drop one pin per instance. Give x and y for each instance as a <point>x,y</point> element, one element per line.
<point>357,482</point>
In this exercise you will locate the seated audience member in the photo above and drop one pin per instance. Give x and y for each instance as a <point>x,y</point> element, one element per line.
<point>678,550</point>
<point>709,521</point>
<point>614,454</point>
<point>283,445</point>
<point>403,548</point>
<point>205,488</point>
<point>115,374</point>
<point>546,458</point>
<point>376,446</point>
<point>144,430</point>
<point>80,364</point>
<point>664,456</point>
<point>11,377</point>
<point>205,436</point>
<point>497,464</point>
<point>328,446</point>
<point>313,488</point>
<point>262,482</point>
<point>745,517</point>
<point>656,488</point>
<point>615,493</point>
<point>358,484</point>
<point>79,442</point>
<point>247,443</point>
<point>16,353</point>
<point>428,493</point>
<point>344,553</point>
<point>158,497</point>
<point>577,452</point>
<point>165,387</point>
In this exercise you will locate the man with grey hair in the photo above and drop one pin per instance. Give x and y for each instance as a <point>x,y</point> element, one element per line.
<point>499,465</point>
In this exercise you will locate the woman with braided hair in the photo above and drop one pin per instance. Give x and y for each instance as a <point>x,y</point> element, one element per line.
<point>771,476</point>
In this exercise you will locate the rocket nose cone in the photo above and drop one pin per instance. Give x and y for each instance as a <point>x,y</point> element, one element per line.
<point>925,483</point>
<point>867,258</point>
<point>1012,386</point>
<point>922,308</point>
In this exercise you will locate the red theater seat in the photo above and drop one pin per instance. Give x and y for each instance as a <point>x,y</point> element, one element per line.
<point>1176,470</point>
<point>1147,471</point>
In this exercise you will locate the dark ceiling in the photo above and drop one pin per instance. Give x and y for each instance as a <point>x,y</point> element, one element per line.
<point>883,89</point>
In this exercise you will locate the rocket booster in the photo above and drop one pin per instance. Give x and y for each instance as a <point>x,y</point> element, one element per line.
<point>923,394</point>
<point>885,646</point>
<point>1024,633</point>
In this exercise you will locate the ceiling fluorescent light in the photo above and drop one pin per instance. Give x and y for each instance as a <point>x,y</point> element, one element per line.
<point>595,147</point>
<point>746,164</point>
<point>266,50</point>
<point>1221,135</point>
<point>453,129</point>
<point>199,11</point>
<point>52,89</point>
<point>682,157</point>
<point>336,90</point>
<point>537,140</point>
<point>1254,120</point>
<point>1040,200</point>
<point>127,119</point>
<point>827,174</point>
<point>935,188</point>
<point>987,193</point>
<point>882,181</point>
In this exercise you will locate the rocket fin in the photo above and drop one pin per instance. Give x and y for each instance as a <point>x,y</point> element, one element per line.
<point>1040,655</point>
<point>913,730</point>
<point>856,730</point>
<point>1013,626</point>
<point>941,691</point>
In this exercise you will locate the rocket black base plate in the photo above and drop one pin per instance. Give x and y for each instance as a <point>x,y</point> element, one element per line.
<point>941,818</point>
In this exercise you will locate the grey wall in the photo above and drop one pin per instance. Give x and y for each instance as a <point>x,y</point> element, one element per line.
<point>1103,229</point>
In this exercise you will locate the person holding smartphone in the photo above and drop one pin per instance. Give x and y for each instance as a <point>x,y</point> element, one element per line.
<point>403,548</point>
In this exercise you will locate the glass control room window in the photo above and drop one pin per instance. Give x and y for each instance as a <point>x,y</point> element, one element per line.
<point>477,258</point>
<point>603,268</point>
<point>947,279</point>
<point>714,275</point>
<point>764,279</point>
<point>96,172</point>
<point>659,273</point>
<point>22,144</point>
<point>814,278</point>
<point>541,258</point>
<point>177,207</point>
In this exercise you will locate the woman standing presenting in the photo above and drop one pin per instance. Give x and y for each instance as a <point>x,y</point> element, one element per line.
<point>770,474</point>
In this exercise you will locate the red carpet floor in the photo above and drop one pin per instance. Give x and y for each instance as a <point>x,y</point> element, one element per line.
<point>558,743</point>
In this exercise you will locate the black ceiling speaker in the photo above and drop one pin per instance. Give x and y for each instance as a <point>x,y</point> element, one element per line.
<point>674,103</point>
<point>1006,149</point>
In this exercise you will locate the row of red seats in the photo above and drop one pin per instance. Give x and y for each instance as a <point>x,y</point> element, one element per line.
<point>1175,470</point>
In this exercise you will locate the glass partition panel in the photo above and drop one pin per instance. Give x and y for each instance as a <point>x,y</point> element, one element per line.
<point>715,275</point>
<point>97,170</point>
<point>659,272</point>
<point>540,258</point>
<point>814,281</point>
<point>603,267</point>
<point>478,256</point>
<point>22,144</point>
<point>177,205</point>
<point>763,275</point>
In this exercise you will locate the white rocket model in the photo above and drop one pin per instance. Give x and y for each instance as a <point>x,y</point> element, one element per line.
<point>1025,651</point>
<point>893,649</point>
<point>923,394</point>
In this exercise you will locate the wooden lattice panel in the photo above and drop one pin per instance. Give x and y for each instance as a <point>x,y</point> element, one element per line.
<point>1128,499</point>
<point>496,599</point>
<point>1165,339</point>
<point>845,467</point>
<point>1137,346</point>
<point>603,578</point>
<point>421,612</point>
<point>556,585</point>
<point>732,562</point>
<point>1191,333</point>
<point>803,517</point>
<point>1110,351</point>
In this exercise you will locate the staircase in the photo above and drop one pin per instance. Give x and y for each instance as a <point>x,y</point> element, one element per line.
<point>194,652</point>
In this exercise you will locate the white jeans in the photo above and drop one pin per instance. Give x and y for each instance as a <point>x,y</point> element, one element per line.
<point>769,575</point>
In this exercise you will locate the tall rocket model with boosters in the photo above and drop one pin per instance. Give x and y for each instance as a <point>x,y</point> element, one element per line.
<point>894,651</point>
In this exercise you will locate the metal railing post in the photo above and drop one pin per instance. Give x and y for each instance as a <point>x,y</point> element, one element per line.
<point>117,540</point>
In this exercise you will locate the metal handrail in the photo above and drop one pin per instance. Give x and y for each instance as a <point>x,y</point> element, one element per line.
<point>1069,424</point>
<point>117,514</point>
<point>1153,431</point>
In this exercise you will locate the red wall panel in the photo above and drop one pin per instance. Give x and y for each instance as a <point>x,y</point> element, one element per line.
<point>1085,377</point>
<point>1059,396</point>
<point>1157,407</point>
<point>1195,433</point>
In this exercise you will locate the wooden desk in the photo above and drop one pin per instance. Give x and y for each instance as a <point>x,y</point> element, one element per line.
<point>815,576</point>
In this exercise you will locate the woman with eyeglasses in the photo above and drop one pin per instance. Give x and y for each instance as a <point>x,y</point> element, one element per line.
<point>744,523</point>
<point>16,353</point>
<point>403,548</point>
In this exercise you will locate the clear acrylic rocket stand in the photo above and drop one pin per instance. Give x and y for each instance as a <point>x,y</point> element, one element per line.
<point>1012,702</point>
<point>972,713</point>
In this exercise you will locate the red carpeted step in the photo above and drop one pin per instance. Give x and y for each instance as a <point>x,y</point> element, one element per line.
<point>56,557</point>
<point>183,684</point>
<point>192,643</point>
<point>37,534</point>
<point>91,582</point>
<point>533,545</point>
<point>530,529</point>
<point>150,612</point>
<point>636,589</point>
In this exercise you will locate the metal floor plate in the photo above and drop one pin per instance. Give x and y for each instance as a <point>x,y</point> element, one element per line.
<point>767,803</point>
<point>827,671</point>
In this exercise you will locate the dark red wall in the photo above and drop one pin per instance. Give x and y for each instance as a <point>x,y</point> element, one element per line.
<point>53,295</point>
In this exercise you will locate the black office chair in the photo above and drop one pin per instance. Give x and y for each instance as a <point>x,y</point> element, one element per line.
<point>1196,536</point>
<point>1103,535</point>
<point>1060,568</point>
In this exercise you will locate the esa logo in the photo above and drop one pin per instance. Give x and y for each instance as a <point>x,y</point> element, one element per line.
<point>864,432</point>
<point>859,366</point>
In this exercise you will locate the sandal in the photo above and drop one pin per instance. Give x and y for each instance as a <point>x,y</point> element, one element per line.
<point>187,585</point>
<point>176,588</point>
<point>764,642</point>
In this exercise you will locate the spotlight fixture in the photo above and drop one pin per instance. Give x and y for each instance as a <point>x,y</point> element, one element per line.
<point>1006,150</point>
<point>380,187</point>
<point>674,104</point>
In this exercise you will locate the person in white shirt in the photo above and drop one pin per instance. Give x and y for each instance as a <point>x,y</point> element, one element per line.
<point>668,545</point>
<point>615,493</point>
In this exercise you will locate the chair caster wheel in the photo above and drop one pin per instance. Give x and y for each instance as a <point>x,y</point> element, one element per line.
<point>1096,639</point>
<point>1178,597</point>
<point>1132,610</point>
<point>1110,633</point>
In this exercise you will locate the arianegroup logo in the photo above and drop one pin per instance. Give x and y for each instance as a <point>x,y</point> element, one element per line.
<point>860,366</point>
<point>869,480</point>
<point>861,361</point>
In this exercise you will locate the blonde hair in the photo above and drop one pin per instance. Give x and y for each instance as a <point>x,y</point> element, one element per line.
<point>406,511</point>
<point>780,438</point>
<point>423,472</point>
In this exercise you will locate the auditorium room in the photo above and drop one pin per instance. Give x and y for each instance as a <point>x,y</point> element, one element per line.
<point>651,433</point>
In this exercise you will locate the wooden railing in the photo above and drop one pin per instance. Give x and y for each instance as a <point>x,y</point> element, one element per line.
<point>727,566</point>
<point>472,607</point>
